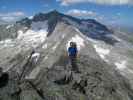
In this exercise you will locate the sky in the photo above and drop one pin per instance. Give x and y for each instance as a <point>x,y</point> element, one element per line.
<point>110,12</point>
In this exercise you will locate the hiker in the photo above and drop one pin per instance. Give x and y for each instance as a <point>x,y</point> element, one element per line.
<point>30,63</point>
<point>35,57</point>
<point>72,53</point>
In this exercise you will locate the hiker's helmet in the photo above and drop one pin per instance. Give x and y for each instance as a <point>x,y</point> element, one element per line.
<point>73,44</point>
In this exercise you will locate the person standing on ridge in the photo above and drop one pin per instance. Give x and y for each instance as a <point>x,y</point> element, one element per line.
<point>72,53</point>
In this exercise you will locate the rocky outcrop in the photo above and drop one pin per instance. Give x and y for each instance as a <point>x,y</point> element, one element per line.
<point>96,81</point>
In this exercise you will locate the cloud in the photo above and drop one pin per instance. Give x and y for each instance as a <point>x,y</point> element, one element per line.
<point>89,15</point>
<point>106,2</point>
<point>81,13</point>
<point>11,16</point>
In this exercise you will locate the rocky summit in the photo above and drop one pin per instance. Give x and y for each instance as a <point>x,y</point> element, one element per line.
<point>36,65</point>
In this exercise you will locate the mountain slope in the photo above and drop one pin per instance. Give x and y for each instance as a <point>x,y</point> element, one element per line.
<point>88,27</point>
<point>47,74</point>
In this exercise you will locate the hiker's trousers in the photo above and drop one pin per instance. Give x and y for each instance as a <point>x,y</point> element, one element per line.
<point>73,61</point>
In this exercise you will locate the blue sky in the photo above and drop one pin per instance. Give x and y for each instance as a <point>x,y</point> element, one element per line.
<point>111,12</point>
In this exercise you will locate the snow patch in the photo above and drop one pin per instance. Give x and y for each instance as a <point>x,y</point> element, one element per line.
<point>55,46</point>
<point>20,34</point>
<point>25,28</point>
<point>46,57</point>
<point>30,17</point>
<point>7,43</point>
<point>77,30</point>
<point>32,37</point>
<point>115,37</point>
<point>9,26</point>
<point>39,25</point>
<point>130,71</point>
<point>78,40</point>
<point>92,40</point>
<point>45,46</point>
<point>118,39</point>
<point>34,73</point>
<point>121,65</point>
<point>63,36</point>
<point>101,51</point>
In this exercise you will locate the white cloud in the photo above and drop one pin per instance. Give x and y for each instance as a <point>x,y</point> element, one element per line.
<point>67,2</point>
<point>86,14</point>
<point>107,2</point>
<point>7,19</point>
<point>81,13</point>
<point>12,16</point>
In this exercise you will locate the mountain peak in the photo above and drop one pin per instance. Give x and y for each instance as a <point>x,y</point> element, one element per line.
<point>55,12</point>
<point>44,16</point>
<point>88,27</point>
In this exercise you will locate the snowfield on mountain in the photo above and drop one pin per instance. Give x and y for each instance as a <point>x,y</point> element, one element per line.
<point>104,60</point>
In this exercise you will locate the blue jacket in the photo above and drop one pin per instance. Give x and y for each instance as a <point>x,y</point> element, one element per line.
<point>72,51</point>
